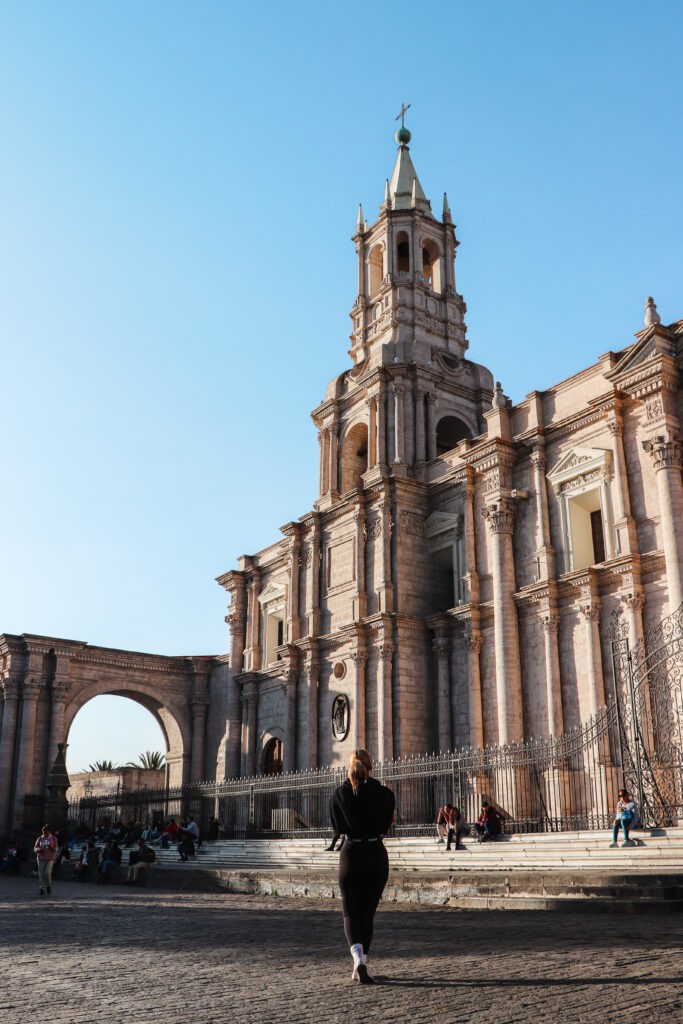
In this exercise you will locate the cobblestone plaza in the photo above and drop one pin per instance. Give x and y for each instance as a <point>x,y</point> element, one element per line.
<point>90,955</point>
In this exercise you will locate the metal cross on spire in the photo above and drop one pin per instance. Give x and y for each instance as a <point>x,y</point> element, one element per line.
<point>402,113</point>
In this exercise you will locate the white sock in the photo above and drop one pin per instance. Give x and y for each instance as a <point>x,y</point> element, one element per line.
<point>357,953</point>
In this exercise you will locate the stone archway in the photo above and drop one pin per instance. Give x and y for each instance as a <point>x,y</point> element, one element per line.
<point>45,681</point>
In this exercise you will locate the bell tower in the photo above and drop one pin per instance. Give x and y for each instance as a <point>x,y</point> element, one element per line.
<point>407,305</point>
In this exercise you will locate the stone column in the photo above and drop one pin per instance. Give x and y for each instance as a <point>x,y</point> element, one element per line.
<point>634,601</point>
<point>385,590</point>
<point>249,718</point>
<point>244,743</point>
<point>665,450</point>
<point>30,692</point>
<point>10,693</point>
<point>399,426</point>
<point>372,433</point>
<point>382,427</point>
<point>59,692</point>
<point>323,477</point>
<point>293,531</point>
<point>624,528</point>
<point>442,647</point>
<point>420,453</point>
<point>316,561</point>
<point>546,561</point>
<point>361,609</point>
<point>254,589</point>
<point>385,727</point>
<point>359,659</point>
<point>237,623</point>
<point>596,686</point>
<point>334,455</point>
<point>550,621</point>
<point>200,706</point>
<point>290,688</point>
<point>471,575</point>
<point>309,754</point>
<point>500,518</point>
<point>476,712</point>
<point>431,426</point>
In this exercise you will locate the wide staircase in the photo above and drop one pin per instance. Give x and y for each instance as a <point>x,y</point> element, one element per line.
<point>568,870</point>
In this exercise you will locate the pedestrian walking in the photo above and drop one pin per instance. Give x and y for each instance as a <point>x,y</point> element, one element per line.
<point>45,849</point>
<point>362,809</point>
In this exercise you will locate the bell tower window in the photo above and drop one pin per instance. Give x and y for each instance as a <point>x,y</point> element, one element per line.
<point>431,267</point>
<point>376,270</point>
<point>354,458</point>
<point>450,431</point>
<point>402,253</point>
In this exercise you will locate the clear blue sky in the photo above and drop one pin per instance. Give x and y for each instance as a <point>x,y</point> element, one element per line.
<point>178,187</point>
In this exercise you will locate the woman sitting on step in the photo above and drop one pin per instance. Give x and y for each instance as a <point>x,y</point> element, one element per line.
<point>625,818</point>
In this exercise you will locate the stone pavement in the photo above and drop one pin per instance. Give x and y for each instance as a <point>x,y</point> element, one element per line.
<point>92,955</point>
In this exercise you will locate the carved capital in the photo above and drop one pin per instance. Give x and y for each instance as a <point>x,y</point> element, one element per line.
<point>305,556</point>
<point>473,642</point>
<point>665,450</point>
<point>359,658</point>
<point>615,425</point>
<point>59,690</point>
<point>385,651</point>
<point>591,611</point>
<point>500,516</point>
<point>538,460</point>
<point>634,601</point>
<point>440,646</point>
<point>31,689</point>
<point>550,622</point>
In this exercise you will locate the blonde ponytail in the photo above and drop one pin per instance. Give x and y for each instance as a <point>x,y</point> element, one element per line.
<point>360,766</point>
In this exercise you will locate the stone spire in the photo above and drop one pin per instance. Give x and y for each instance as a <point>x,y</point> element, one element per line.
<point>405,189</point>
<point>651,314</point>
<point>360,222</point>
<point>446,215</point>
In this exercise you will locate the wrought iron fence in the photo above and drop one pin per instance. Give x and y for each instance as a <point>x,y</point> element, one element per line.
<point>558,783</point>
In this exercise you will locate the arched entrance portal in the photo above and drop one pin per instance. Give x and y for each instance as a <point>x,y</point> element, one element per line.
<point>46,681</point>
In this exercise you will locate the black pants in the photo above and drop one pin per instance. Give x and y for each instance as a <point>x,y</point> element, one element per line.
<point>363,873</point>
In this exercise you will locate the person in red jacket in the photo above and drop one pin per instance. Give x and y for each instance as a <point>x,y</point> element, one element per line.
<point>45,849</point>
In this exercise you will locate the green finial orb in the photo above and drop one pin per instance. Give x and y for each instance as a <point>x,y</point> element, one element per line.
<point>403,136</point>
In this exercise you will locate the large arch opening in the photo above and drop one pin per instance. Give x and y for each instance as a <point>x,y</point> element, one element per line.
<point>450,431</point>
<point>120,725</point>
<point>431,266</point>
<point>354,458</point>
<point>376,270</point>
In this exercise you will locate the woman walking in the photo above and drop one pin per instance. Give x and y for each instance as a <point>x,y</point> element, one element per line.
<point>45,849</point>
<point>362,809</point>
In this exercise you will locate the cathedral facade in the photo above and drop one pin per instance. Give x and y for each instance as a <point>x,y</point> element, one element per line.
<point>455,581</point>
<point>461,573</point>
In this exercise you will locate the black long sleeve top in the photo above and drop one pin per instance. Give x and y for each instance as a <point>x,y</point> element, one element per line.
<point>364,815</point>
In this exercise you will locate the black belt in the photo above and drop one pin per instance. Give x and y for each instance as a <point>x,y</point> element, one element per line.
<point>364,839</point>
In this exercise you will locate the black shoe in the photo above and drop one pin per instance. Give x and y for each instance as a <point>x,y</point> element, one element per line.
<point>329,849</point>
<point>49,890</point>
<point>41,893</point>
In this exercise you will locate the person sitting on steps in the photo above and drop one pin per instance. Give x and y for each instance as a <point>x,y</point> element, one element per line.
<point>625,818</point>
<point>487,825</point>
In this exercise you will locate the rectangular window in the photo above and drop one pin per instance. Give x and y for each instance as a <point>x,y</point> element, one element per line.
<point>598,536</point>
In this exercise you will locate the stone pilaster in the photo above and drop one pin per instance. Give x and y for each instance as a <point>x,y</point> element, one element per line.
<point>361,603</point>
<point>385,590</point>
<point>431,426</point>
<point>359,658</point>
<point>420,451</point>
<point>399,426</point>
<point>249,720</point>
<point>625,540</point>
<point>442,648</point>
<point>25,765</point>
<point>471,576</point>
<point>10,701</point>
<point>500,517</point>
<point>385,728</point>
<point>473,643</point>
<point>293,532</point>
<point>290,688</point>
<point>382,456</point>
<point>308,756</point>
<point>59,692</point>
<point>200,706</point>
<point>550,621</point>
<point>546,555</point>
<point>665,450</point>
<point>590,609</point>
<point>334,456</point>
<point>235,584</point>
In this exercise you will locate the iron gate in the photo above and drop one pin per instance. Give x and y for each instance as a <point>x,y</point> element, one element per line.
<point>649,704</point>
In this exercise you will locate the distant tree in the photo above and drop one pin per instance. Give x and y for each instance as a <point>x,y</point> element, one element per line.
<point>151,759</point>
<point>103,766</point>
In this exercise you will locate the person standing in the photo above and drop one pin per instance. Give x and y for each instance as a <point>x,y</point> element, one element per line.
<point>45,849</point>
<point>362,809</point>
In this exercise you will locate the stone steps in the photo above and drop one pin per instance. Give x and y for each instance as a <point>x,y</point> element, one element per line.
<point>577,870</point>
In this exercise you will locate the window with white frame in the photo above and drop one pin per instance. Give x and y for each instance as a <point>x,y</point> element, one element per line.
<point>580,481</point>
<point>273,601</point>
